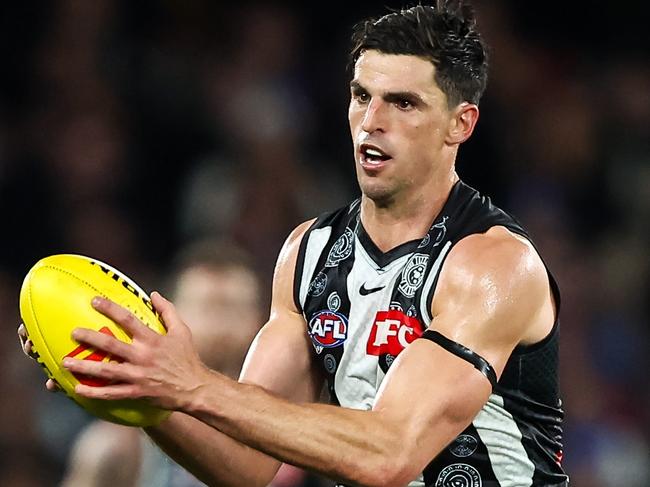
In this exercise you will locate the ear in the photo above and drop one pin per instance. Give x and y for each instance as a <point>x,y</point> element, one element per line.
<point>462,123</point>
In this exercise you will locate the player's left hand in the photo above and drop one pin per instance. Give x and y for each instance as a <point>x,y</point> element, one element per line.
<point>28,349</point>
<point>163,369</point>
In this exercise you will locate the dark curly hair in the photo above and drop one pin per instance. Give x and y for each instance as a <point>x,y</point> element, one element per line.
<point>444,33</point>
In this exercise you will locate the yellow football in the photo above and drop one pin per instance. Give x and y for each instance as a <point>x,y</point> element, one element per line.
<point>55,299</point>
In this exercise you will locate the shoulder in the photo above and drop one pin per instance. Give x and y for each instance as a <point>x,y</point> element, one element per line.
<point>493,294</point>
<point>283,276</point>
<point>506,258</point>
<point>328,219</point>
<point>289,251</point>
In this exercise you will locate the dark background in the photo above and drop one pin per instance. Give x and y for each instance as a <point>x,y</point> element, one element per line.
<point>130,129</point>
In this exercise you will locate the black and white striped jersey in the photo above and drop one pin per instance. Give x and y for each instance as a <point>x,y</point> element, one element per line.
<point>363,307</point>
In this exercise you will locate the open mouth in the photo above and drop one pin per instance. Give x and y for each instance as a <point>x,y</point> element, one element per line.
<point>372,155</point>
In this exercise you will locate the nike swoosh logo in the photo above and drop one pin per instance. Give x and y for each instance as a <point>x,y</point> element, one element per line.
<point>364,291</point>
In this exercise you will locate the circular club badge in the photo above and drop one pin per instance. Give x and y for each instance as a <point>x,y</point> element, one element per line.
<point>459,475</point>
<point>463,446</point>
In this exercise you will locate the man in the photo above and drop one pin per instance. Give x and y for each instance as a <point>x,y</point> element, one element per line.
<point>425,309</point>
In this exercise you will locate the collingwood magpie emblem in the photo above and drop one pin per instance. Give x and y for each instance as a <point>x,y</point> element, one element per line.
<point>436,234</point>
<point>341,249</point>
<point>413,274</point>
<point>441,228</point>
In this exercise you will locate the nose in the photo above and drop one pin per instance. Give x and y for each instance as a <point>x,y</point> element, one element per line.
<point>373,118</point>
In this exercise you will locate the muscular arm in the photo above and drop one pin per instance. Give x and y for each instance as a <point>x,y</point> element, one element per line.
<point>491,287</point>
<point>214,457</point>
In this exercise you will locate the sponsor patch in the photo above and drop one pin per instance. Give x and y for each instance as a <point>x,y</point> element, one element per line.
<point>391,333</point>
<point>328,329</point>
<point>459,475</point>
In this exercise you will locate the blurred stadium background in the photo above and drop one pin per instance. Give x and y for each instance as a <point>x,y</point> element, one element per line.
<point>129,129</point>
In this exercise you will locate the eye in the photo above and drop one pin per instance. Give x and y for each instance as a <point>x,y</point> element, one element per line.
<point>362,97</point>
<point>404,104</point>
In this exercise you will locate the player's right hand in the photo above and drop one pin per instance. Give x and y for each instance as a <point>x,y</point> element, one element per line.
<point>26,345</point>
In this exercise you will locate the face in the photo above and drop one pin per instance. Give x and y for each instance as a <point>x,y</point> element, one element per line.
<point>399,122</point>
<point>223,311</point>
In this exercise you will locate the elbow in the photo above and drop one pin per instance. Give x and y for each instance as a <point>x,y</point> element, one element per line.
<point>391,470</point>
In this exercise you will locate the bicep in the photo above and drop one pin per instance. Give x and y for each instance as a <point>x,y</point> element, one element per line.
<point>434,395</point>
<point>493,293</point>
<point>279,360</point>
<point>484,304</point>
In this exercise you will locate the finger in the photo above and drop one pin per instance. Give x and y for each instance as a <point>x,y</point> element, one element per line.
<point>112,371</point>
<point>104,342</point>
<point>25,342</point>
<point>28,349</point>
<point>110,392</point>
<point>52,386</point>
<point>121,316</point>
<point>22,332</point>
<point>167,311</point>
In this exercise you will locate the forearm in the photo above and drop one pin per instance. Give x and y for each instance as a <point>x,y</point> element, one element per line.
<point>210,455</point>
<point>344,444</point>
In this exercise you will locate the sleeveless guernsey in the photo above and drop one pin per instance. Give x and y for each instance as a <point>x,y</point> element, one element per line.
<point>363,307</point>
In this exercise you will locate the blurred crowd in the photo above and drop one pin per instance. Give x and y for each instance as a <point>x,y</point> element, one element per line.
<point>131,130</point>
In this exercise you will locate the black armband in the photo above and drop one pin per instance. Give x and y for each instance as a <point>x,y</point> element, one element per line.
<point>463,352</point>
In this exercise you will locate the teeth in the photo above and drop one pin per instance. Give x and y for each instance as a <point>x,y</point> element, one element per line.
<point>374,153</point>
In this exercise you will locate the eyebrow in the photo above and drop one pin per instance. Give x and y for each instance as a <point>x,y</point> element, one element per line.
<point>390,96</point>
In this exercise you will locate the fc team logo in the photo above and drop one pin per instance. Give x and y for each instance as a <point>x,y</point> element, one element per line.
<point>391,332</point>
<point>328,329</point>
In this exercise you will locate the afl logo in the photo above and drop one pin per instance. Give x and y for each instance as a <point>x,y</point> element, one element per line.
<point>328,329</point>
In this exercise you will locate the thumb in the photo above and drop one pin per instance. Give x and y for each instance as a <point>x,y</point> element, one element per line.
<point>166,310</point>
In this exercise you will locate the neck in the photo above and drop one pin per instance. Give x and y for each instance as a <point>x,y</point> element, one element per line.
<point>407,217</point>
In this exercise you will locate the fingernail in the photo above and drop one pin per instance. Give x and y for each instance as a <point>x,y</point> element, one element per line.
<point>75,333</point>
<point>96,302</point>
<point>67,362</point>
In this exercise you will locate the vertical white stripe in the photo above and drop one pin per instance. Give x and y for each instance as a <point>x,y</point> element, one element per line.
<point>500,434</point>
<point>425,312</point>
<point>315,245</point>
<point>359,376</point>
<point>356,377</point>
